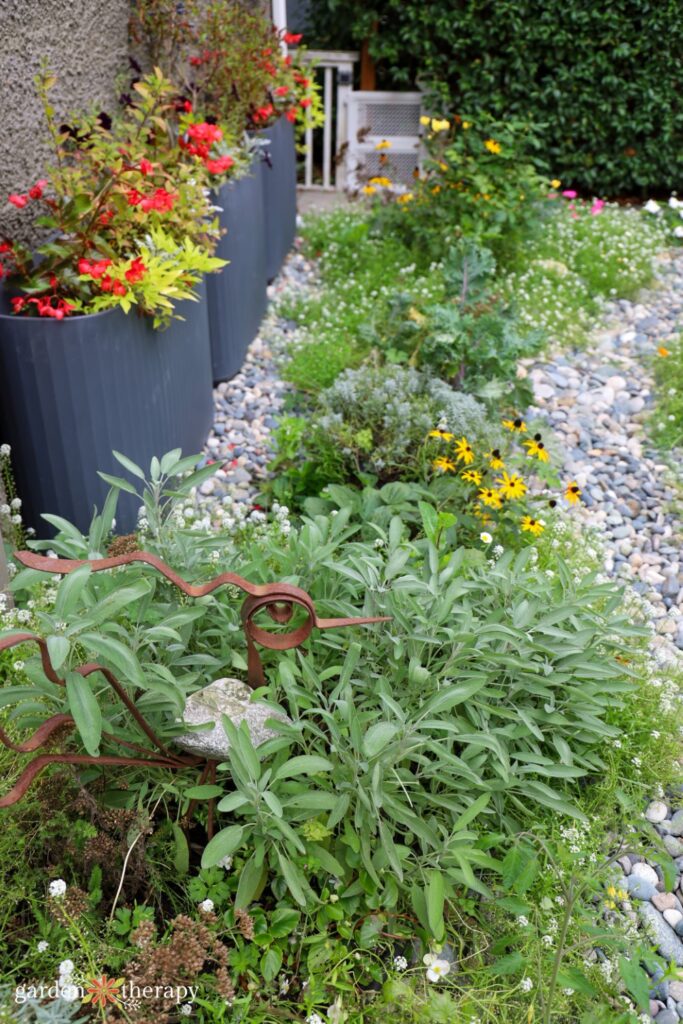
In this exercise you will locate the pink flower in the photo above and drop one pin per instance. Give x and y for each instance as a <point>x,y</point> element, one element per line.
<point>570,193</point>
<point>18,201</point>
<point>597,206</point>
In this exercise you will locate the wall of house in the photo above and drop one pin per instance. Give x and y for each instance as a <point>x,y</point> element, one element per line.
<point>85,44</point>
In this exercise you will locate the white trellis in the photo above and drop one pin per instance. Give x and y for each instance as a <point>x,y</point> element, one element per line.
<point>376,117</point>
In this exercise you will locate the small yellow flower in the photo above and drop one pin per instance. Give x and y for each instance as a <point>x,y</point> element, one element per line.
<point>436,190</point>
<point>495,459</point>
<point>532,525</point>
<point>440,124</point>
<point>463,451</point>
<point>419,318</point>
<point>381,180</point>
<point>490,497</point>
<point>466,125</point>
<point>536,449</point>
<point>443,435</point>
<point>443,165</point>
<point>555,183</point>
<point>622,894</point>
<point>511,486</point>
<point>406,197</point>
<point>663,352</point>
<point>444,465</point>
<point>481,514</point>
<point>493,146</point>
<point>572,492</point>
<point>472,476</point>
<point>515,425</point>
<point>368,190</point>
<point>384,144</point>
<point>425,121</point>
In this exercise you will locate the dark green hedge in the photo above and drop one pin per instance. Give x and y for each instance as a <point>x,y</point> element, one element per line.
<point>604,79</point>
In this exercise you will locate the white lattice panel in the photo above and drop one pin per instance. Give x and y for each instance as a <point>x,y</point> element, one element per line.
<point>377,116</point>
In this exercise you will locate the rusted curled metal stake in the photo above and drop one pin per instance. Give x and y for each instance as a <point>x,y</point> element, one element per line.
<point>277,599</point>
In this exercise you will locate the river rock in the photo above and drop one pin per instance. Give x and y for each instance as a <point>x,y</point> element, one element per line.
<point>228,697</point>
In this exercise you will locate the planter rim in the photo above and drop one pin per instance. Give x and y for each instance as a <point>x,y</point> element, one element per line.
<point>133,312</point>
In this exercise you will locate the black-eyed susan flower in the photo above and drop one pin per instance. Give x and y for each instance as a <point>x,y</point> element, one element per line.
<point>493,146</point>
<point>440,124</point>
<point>516,426</point>
<point>531,525</point>
<point>405,197</point>
<point>572,492</point>
<point>463,451</point>
<point>425,120</point>
<point>380,180</point>
<point>490,497</point>
<point>443,435</point>
<point>472,476</point>
<point>383,144</point>
<point>511,486</point>
<point>495,459</point>
<point>536,449</point>
<point>368,190</point>
<point>444,465</point>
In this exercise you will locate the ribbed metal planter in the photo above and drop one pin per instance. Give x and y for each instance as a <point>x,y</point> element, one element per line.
<point>279,193</point>
<point>237,294</point>
<point>71,391</point>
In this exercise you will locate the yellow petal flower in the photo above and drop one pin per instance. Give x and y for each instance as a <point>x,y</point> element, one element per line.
<point>384,144</point>
<point>493,146</point>
<point>531,525</point>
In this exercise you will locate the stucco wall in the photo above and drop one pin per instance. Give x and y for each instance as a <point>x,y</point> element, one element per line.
<point>85,42</point>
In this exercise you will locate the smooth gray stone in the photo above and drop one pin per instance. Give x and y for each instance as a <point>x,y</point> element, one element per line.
<point>667,942</point>
<point>641,888</point>
<point>676,828</point>
<point>224,697</point>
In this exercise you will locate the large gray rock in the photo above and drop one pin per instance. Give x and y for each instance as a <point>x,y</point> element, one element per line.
<point>666,940</point>
<point>228,697</point>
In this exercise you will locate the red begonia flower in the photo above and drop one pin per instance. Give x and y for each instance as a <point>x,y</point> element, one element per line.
<point>18,201</point>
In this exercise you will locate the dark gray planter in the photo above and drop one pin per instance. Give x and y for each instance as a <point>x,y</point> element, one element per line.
<point>237,294</point>
<point>73,390</point>
<point>279,193</point>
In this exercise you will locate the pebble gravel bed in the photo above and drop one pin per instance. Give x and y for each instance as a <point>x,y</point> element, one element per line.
<point>247,406</point>
<point>596,401</point>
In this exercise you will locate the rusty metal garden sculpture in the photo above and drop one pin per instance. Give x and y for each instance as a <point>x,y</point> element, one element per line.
<point>278,600</point>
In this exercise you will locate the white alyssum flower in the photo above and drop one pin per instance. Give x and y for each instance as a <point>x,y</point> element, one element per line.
<point>57,888</point>
<point>652,206</point>
<point>522,921</point>
<point>66,968</point>
<point>225,863</point>
<point>400,963</point>
<point>15,503</point>
<point>186,1009</point>
<point>42,946</point>
<point>547,940</point>
<point>526,984</point>
<point>678,231</point>
<point>69,993</point>
<point>485,537</point>
<point>18,666</point>
<point>207,906</point>
<point>5,450</point>
<point>314,1018</point>
<point>437,970</point>
<point>674,203</point>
